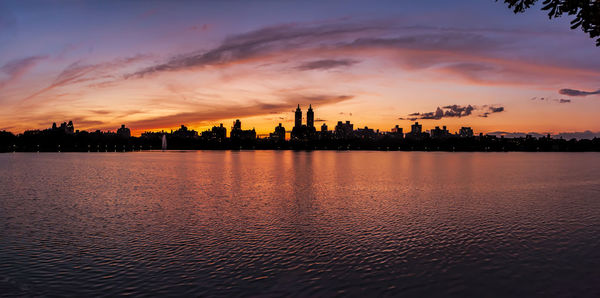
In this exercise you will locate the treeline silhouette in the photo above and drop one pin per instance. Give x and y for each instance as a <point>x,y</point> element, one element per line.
<point>61,141</point>
<point>586,12</point>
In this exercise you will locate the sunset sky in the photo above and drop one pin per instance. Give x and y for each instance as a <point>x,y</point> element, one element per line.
<point>155,65</point>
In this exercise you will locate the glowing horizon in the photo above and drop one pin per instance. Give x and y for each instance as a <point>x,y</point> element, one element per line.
<point>154,66</point>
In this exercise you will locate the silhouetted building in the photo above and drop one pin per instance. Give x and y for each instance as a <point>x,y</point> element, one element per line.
<point>344,130</point>
<point>279,134</point>
<point>298,117</point>
<point>310,117</point>
<point>64,127</point>
<point>440,133</point>
<point>124,131</point>
<point>70,128</point>
<point>397,132</point>
<point>465,132</point>
<point>184,132</point>
<point>366,133</point>
<point>416,131</point>
<point>238,134</point>
<point>237,125</point>
<point>304,132</point>
<point>325,133</point>
<point>218,133</point>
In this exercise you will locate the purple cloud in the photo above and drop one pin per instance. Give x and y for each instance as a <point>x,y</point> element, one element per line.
<point>326,64</point>
<point>574,92</point>
<point>453,111</point>
<point>15,69</point>
<point>558,100</point>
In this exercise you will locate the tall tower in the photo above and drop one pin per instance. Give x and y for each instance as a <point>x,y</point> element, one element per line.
<point>310,117</point>
<point>298,117</point>
<point>237,125</point>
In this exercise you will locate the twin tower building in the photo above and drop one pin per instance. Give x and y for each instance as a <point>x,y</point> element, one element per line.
<point>300,131</point>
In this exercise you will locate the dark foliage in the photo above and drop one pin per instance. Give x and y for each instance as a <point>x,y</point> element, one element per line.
<point>586,12</point>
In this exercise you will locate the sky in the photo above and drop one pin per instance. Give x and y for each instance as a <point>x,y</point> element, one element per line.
<point>155,65</point>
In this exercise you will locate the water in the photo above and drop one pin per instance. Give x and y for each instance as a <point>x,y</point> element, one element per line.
<point>269,223</point>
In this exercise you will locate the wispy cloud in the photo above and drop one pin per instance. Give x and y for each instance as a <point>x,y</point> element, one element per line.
<point>78,72</point>
<point>548,99</point>
<point>326,64</point>
<point>574,92</point>
<point>472,54</point>
<point>257,43</point>
<point>334,38</point>
<point>15,69</point>
<point>491,110</point>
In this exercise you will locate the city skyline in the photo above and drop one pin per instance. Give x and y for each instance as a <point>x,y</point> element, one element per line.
<point>305,135</point>
<point>378,65</point>
<point>305,128</point>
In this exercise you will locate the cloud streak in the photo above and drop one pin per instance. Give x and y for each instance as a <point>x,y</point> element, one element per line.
<point>423,46</point>
<point>326,64</point>
<point>258,43</point>
<point>546,99</point>
<point>574,92</point>
<point>453,111</point>
<point>474,55</point>
<point>78,72</point>
<point>15,69</point>
<point>491,110</point>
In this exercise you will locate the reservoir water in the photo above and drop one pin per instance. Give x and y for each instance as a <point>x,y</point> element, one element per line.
<point>284,223</point>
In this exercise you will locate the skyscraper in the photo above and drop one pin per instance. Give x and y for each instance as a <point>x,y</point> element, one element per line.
<point>416,129</point>
<point>219,132</point>
<point>124,131</point>
<point>310,117</point>
<point>279,134</point>
<point>416,132</point>
<point>344,130</point>
<point>304,132</point>
<point>238,134</point>
<point>237,125</point>
<point>298,117</point>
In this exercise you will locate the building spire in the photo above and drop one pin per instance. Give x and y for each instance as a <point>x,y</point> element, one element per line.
<point>310,117</point>
<point>298,117</point>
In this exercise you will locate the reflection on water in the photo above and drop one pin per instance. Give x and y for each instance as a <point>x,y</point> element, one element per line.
<point>283,223</point>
